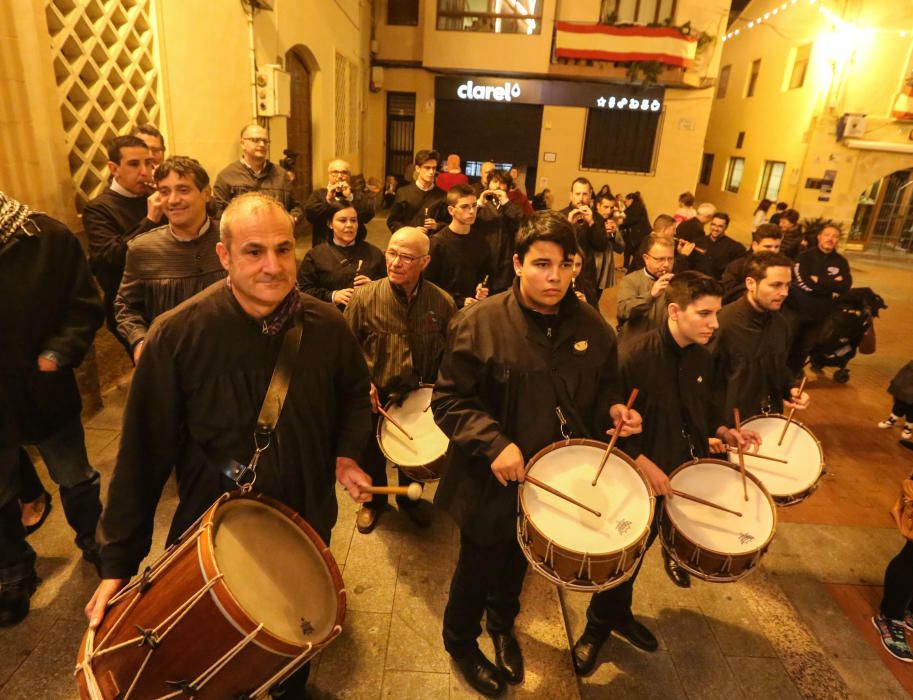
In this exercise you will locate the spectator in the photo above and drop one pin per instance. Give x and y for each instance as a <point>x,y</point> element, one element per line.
<point>686,208</point>
<point>719,249</point>
<point>692,229</point>
<point>765,239</point>
<point>793,237</point>
<point>778,212</point>
<point>543,200</point>
<point>153,138</point>
<point>452,174</point>
<point>760,214</point>
<point>636,225</point>
<point>339,190</point>
<point>390,188</point>
<point>420,203</point>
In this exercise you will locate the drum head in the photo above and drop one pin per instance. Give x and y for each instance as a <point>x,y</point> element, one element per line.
<point>800,448</point>
<point>714,529</point>
<point>620,495</point>
<point>428,443</point>
<point>274,571</point>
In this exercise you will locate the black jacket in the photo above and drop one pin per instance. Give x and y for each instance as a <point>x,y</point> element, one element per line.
<point>750,350</point>
<point>316,209</point>
<point>591,239</point>
<point>328,267</point>
<point>500,381</point>
<point>813,298</point>
<point>47,303</point>
<point>237,178</point>
<point>717,255</point>
<point>412,206</point>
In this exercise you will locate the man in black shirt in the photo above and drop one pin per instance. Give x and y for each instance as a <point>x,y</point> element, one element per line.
<point>673,373</point>
<point>509,362</point>
<point>692,229</point>
<point>590,228</point>
<point>751,346</point>
<point>461,259</point>
<point>719,249</point>
<point>793,237</point>
<point>765,239</point>
<point>420,203</point>
<point>128,207</point>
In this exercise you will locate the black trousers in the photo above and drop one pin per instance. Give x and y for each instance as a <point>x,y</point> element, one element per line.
<point>488,579</point>
<point>898,584</point>
<point>608,609</point>
<point>903,409</point>
<point>375,465</point>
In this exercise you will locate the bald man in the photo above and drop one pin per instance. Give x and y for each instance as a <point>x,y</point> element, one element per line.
<point>338,189</point>
<point>400,322</point>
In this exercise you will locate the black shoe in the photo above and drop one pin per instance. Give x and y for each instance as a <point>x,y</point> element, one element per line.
<point>638,635</point>
<point>14,600</point>
<point>677,574</point>
<point>586,649</point>
<point>508,657</point>
<point>480,673</point>
<point>417,511</point>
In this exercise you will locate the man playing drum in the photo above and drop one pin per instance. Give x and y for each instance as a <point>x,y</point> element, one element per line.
<point>526,368</point>
<point>673,373</point>
<point>752,344</point>
<point>401,324</point>
<point>195,397</point>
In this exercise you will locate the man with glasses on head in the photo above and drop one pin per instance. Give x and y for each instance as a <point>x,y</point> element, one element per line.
<point>338,190</point>
<point>400,322</point>
<point>254,172</point>
<point>641,294</point>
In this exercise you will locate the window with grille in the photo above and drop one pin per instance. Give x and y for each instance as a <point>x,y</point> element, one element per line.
<point>354,108</point>
<point>801,56</point>
<point>706,168</point>
<point>723,81</point>
<point>734,174</point>
<point>620,140</point>
<point>105,67</point>
<point>498,16</point>
<point>341,104</point>
<point>637,11</point>
<point>771,178</point>
<point>402,12</point>
<point>753,77</point>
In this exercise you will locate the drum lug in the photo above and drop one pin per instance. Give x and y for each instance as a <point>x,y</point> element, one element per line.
<point>146,581</point>
<point>185,687</point>
<point>149,637</point>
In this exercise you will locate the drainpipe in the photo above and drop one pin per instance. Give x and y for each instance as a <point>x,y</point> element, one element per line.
<point>253,61</point>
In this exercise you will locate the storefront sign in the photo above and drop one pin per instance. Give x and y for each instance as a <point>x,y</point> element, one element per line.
<point>550,92</point>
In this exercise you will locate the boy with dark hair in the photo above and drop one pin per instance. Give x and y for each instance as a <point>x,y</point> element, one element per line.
<point>420,203</point>
<point>509,363</point>
<point>766,238</point>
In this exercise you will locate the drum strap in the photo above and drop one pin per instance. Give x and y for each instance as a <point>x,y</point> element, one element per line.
<point>272,403</point>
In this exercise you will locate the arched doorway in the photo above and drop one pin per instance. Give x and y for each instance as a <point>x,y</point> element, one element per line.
<point>884,215</point>
<point>300,64</point>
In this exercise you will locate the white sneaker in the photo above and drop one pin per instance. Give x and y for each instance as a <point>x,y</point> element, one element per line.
<point>888,422</point>
<point>907,433</point>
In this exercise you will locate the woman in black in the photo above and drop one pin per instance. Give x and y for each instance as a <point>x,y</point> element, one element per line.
<point>332,271</point>
<point>636,226</point>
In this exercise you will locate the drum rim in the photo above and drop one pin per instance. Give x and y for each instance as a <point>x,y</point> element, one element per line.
<point>664,514</point>
<point>426,465</point>
<point>797,496</point>
<point>522,510</point>
<point>236,613</point>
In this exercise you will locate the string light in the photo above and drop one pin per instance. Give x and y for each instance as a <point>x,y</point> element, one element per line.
<point>825,12</point>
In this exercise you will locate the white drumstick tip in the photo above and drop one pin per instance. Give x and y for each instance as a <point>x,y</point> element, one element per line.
<point>415,491</point>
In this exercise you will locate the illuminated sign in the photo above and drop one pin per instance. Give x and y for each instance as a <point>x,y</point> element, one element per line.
<point>566,93</point>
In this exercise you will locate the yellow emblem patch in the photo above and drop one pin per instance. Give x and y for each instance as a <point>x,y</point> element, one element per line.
<point>581,346</point>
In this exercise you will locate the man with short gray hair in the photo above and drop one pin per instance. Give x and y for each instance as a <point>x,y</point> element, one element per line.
<point>338,189</point>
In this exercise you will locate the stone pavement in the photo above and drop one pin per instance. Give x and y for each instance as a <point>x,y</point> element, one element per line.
<point>795,628</point>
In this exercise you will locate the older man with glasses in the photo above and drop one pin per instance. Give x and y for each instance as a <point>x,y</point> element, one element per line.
<point>254,172</point>
<point>401,323</point>
<point>338,191</point>
<point>641,302</point>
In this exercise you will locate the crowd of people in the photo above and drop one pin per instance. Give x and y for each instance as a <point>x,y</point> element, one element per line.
<point>491,297</point>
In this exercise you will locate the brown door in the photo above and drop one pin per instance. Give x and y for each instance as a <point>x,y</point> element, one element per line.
<point>299,124</point>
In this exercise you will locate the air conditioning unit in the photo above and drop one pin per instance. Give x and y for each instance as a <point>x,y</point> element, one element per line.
<point>377,78</point>
<point>274,91</point>
<point>850,126</point>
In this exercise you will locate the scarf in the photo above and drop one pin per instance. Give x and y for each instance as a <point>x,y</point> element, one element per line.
<point>276,321</point>
<point>13,215</point>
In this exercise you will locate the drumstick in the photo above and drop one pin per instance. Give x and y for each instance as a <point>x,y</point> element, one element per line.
<point>413,491</point>
<point>392,420</point>
<point>559,494</point>
<point>789,418</point>
<point>703,502</point>
<point>621,423</point>
<point>738,426</point>
<point>699,250</point>
<point>730,448</point>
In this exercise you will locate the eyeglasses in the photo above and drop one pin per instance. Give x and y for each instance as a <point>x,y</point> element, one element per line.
<point>661,260</point>
<point>337,173</point>
<point>264,141</point>
<point>405,259</point>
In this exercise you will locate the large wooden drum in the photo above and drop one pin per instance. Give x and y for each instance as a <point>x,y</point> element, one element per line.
<point>241,601</point>
<point>570,546</point>
<point>422,457</point>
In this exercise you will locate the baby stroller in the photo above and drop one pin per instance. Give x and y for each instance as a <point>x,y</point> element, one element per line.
<point>843,331</point>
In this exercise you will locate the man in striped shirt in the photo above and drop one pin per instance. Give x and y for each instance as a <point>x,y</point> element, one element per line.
<point>400,322</point>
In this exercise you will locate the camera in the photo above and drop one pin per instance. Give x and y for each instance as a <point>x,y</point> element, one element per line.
<point>338,193</point>
<point>289,160</point>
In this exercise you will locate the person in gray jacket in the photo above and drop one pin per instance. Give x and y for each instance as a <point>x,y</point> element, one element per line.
<point>641,305</point>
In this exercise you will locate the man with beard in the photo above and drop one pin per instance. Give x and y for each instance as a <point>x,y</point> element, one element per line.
<point>751,346</point>
<point>589,227</point>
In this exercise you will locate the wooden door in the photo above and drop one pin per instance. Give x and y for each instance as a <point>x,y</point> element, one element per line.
<point>299,124</point>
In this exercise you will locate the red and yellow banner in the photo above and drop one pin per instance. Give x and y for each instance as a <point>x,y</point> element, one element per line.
<point>601,42</point>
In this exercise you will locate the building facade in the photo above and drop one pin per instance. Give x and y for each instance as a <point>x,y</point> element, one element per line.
<point>812,108</point>
<point>545,86</point>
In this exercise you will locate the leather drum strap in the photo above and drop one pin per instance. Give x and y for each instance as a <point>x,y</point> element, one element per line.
<point>278,384</point>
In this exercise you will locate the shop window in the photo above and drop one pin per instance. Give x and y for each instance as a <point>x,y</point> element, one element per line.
<point>706,168</point>
<point>497,16</point>
<point>771,178</point>
<point>801,56</point>
<point>734,174</point>
<point>620,140</point>
<point>651,12</point>
<point>753,77</point>
<point>402,12</point>
<point>723,82</point>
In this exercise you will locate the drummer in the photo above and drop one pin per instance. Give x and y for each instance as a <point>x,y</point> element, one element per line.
<point>522,370</point>
<point>673,373</point>
<point>194,400</point>
<point>400,322</point>
<point>752,343</point>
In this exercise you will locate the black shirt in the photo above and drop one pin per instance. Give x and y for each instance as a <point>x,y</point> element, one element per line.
<point>328,267</point>
<point>459,262</point>
<point>413,205</point>
<point>718,254</point>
